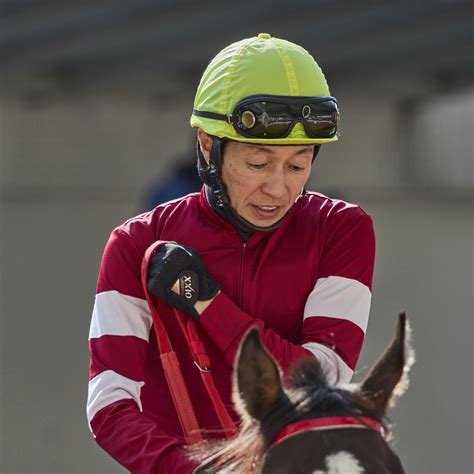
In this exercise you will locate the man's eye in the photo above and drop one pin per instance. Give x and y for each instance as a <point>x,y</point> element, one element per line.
<point>296,168</point>
<point>257,166</point>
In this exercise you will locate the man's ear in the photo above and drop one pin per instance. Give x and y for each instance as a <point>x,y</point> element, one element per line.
<point>205,143</point>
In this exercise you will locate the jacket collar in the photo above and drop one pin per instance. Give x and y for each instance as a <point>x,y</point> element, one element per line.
<point>216,220</point>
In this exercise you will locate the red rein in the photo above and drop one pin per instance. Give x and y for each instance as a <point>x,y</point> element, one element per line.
<point>172,371</point>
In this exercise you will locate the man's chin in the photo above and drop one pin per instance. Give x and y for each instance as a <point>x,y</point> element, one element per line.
<point>262,222</point>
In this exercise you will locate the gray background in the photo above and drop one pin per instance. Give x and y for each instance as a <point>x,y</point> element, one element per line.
<point>95,100</point>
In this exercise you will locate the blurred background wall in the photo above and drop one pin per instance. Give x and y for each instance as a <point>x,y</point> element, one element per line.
<point>95,98</point>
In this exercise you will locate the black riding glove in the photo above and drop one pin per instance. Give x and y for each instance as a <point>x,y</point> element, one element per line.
<point>173,262</point>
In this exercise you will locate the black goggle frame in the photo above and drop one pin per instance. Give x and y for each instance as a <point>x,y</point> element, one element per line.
<point>270,116</point>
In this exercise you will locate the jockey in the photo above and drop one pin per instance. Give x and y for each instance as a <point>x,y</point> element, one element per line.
<point>264,252</point>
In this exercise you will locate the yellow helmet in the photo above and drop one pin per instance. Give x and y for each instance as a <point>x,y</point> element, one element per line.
<point>266,90</point>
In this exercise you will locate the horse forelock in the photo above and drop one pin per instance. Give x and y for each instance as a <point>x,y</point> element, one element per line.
<point>307,373</point>
<point>311,395</point>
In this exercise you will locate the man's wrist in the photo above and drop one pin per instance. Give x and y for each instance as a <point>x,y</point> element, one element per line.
<point>201,306</point>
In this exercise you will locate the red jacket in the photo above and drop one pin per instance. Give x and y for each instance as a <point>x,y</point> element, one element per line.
<point>306,285</point>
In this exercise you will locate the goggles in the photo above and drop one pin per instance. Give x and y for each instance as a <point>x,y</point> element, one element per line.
<point>270,116</point>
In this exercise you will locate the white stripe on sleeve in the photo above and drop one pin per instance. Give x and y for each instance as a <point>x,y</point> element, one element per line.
<point>333,366</point>
<point>109,387</point>
<point>339,297</point>
<point>116,314</point>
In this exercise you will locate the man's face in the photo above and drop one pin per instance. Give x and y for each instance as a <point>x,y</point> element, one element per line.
<point>263,182</point>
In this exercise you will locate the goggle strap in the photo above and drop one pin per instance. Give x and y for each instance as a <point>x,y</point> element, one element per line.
<point>212,115</point>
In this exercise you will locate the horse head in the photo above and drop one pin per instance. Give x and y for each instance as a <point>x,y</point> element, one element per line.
<point>304,424</point>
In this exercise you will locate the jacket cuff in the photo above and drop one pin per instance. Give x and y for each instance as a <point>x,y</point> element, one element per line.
<point>225,323</point>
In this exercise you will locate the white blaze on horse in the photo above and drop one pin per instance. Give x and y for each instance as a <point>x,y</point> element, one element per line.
<point>310,427</point>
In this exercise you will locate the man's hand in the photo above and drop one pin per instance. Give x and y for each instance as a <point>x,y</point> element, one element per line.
<point>177,275</point>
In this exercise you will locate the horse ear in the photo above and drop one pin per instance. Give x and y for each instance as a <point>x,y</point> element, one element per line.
<point>388,378</point>
<point>257,381</point>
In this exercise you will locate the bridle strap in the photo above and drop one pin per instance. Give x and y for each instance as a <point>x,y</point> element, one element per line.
<point>174,377</point>
<point>328,423</point>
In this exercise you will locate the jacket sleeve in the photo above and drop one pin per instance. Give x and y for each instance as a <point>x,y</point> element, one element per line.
<point>336,311</point>
<point>118,341</point>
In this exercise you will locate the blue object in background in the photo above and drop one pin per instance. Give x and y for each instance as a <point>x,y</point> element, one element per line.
<point>182,181</point>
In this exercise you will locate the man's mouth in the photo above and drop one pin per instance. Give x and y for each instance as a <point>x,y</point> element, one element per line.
<point>266,211</point>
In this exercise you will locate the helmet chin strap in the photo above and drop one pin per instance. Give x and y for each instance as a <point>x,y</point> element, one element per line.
<point>216,191</point>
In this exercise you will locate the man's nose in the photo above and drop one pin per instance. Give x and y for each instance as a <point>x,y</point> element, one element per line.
<point>275,184</point>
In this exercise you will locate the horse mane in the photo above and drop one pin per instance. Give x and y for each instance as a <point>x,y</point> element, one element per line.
<point>308,395</point>
<point>239,454</point>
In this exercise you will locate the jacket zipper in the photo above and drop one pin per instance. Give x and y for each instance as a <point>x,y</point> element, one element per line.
<point>241,280</point>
